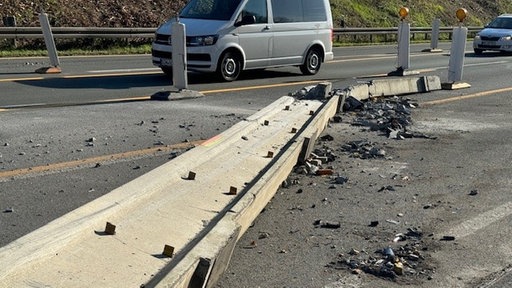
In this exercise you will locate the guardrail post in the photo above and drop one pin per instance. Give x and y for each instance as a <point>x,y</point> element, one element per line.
<point>10,21</point>
<point>50,46</point>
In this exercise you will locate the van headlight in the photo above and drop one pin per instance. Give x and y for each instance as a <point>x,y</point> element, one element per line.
<point>202,40</point>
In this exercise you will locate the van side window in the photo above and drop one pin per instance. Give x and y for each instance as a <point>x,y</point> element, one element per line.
<point>286,11</point>
<point>258,9</point>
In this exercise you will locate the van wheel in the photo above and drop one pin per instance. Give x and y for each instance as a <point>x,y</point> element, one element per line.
<point>230,66</point>
<point>312,62</point>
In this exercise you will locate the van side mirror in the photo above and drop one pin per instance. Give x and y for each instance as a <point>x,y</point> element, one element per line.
<point>246,20</point>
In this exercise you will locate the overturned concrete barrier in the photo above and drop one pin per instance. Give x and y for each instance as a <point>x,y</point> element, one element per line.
<point>177,224</point>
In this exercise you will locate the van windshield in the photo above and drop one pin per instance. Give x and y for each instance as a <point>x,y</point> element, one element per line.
<point>210,9</point>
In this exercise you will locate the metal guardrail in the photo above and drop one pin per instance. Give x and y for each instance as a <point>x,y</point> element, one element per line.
<point>76,32</point>
<point>99,32</point>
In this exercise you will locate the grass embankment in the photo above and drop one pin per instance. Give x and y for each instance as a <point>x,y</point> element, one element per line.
<point>141,13</point>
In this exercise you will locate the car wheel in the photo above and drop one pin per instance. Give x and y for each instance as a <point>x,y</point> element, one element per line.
<point>230,66</point>
<point>478,51</point>
<point>312,62</point>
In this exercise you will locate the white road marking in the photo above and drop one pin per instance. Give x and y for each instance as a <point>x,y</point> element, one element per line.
<point>124,70</point>
<point>481,221</point>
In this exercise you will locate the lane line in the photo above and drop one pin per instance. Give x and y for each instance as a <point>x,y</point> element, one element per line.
<point>110,75</point>
<point>134,72</point>
<point>125,70</point>
<point>93,160</point>
<point>465,97</point>
<point>481,221</point>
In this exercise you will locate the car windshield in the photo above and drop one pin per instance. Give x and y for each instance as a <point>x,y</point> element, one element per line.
<point>501,23</point>
<point>210,9</point>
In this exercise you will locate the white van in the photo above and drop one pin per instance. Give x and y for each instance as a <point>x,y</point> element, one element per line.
<point>228,36</point>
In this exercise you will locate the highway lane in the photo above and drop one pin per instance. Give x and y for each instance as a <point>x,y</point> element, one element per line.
<point>31,138</point>
<point>133,77</point>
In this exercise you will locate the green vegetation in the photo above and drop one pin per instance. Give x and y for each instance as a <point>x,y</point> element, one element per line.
<point>113,50</point>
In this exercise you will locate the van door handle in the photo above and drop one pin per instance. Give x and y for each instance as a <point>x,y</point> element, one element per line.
<point>266,28</point>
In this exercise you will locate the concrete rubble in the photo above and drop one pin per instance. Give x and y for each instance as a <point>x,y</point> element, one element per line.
<point>404,254</point>
<point>391,116</point>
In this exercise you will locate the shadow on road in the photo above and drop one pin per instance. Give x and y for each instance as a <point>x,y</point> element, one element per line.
<point>140,81</point>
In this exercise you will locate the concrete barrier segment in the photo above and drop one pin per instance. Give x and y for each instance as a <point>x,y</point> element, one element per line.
<point>40,244</point>
<point>402,86</point>
<point>393,87</point>
<point>159,208</point>
<point>245,210</point>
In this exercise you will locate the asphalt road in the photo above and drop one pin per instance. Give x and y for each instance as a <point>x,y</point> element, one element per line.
<point>66,139</point>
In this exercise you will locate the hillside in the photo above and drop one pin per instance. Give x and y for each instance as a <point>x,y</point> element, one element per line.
<point>141,13</point>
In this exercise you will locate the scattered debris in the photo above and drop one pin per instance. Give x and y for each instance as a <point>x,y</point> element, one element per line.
<point>363,149</point>
<point>393,262</point>
<point>337,119</point>
<point>340,180</point>
<point>473,192</point>
<point>327,224</point>
<point>327,137</point>
<point>387,188</point>
<point>448,238</point>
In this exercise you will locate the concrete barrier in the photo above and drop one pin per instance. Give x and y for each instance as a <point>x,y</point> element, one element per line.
<point>393,87</point>
<point>167,229</point>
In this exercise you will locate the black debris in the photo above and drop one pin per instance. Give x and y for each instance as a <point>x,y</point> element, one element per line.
<point>374,223</point>
<point>327,224</point>
<point>389,262</point>
<point>363,149</point>
<point>448,238</point>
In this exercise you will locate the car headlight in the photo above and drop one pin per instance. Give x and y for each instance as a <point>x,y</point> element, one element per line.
<point>506,38</point>
<point>477,37</point>
<point>202,40</point>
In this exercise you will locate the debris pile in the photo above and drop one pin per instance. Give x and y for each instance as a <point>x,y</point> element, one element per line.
<point>388,262</point>
<point>391,116</point>
<point>363,149</point>
<point>316,164</point>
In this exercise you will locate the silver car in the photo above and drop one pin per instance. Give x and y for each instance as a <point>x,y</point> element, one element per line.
<point>496,36</point>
